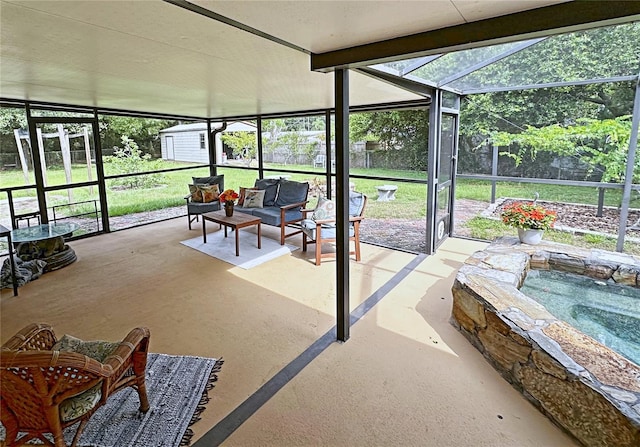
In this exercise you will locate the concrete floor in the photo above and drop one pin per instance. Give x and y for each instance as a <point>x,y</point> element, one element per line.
<point>406,377</point>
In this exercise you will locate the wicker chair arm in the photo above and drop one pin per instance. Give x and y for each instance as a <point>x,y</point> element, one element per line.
<point>35,336</point>
<point>52,359</point>
<point>136,340</point>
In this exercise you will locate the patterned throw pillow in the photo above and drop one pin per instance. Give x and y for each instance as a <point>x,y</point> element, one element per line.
<point>243,192</point>
<point>254,198</point>
<point>325,209</point>
<point>210,193</point>
<point>196,194</point>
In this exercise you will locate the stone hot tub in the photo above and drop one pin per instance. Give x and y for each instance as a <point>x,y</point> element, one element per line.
<point>586,388</point>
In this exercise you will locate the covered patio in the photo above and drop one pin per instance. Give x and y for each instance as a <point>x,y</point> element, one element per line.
<point>406,376</point>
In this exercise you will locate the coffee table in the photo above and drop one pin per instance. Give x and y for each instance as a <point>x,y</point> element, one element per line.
<point>45,242</point>
<point>235,222</point>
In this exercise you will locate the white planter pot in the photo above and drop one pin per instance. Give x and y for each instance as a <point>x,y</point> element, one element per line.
<point>530,237</point>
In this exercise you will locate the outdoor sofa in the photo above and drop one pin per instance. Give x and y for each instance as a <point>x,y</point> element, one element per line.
<point>279,203</point>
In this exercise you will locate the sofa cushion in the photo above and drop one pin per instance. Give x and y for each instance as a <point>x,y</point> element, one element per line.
<point>270,215</point>
<point>291,192</point>
<point>254,198</point>
<point>270,186</point>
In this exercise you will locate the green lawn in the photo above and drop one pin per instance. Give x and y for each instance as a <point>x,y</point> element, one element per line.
<point>410,200</point>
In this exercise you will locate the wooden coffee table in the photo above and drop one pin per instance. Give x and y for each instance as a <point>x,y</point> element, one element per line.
<point>235,222</point>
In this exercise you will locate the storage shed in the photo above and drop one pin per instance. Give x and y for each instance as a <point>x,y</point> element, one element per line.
<point>189,142</point>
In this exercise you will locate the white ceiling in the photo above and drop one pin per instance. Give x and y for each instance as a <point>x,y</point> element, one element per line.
<point>152,56</point>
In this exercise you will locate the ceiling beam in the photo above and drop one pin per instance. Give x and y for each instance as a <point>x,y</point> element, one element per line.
<point>555,19</point>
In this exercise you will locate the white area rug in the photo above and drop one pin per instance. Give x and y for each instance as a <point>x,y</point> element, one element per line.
<point>250,256</point>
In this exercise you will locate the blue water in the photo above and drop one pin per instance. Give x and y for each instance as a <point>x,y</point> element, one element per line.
<point>605,311</point>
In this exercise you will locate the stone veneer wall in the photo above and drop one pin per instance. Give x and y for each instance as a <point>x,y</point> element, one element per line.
<point>584,387</point>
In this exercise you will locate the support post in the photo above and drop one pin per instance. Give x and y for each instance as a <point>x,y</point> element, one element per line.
<point>87,154</point>
<point>600,202</point>
<point>66,157</point>
<point>23,159</point>
<point>342,203</point>
<point>433,154</point>
<point>631,160</point>
<point>494,172</point>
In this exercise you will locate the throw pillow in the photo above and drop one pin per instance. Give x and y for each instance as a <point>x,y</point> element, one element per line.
<point>98,350</point>
<point>325,209</point>
<point>254,198</point>
<point>196,194</point>
<point>210,193</point>
<point>243,192</point>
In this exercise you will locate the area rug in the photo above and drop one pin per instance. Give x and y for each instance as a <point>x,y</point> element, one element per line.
<point>177,388</point>
<point>224,248</point>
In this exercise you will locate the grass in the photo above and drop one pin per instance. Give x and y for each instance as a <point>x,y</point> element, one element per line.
<point>410,200</point>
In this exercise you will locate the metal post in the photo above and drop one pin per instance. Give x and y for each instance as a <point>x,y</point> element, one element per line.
<point>628,177</point>
<point>435,120</point>
<point>342,203</point>
<point>494,172</point>
<point>37,167</point>
<point>600,202</point>
<point>327,139</point>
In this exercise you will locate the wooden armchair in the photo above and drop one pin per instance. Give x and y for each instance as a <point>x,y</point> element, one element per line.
<point>44,390</point>
<point>320,229</point>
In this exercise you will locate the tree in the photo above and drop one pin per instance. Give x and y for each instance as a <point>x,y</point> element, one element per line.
<point>598,143</point>
<point>129,159</point>
<point>244,143</point>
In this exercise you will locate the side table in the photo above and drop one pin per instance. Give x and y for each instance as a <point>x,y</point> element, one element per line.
<point>5,232</point>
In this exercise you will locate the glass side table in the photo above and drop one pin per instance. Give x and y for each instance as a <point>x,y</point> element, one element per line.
<point>45,242</point>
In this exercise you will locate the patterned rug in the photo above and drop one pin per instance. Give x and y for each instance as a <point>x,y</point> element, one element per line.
<point>177,388</point>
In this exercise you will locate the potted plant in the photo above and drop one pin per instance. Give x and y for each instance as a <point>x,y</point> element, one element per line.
<point>530,219</point>
<point>228,200</point>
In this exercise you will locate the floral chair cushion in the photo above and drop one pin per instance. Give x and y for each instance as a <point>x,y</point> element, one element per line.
<point>98,350</point>
<point>79,405</point>
<point>82,403</point>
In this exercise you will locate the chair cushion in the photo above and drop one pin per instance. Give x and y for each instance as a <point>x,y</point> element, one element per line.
<point>254,198</point>
<point>325,209</point>
<point>199,208</point>
<point>291,192</point>
<point>328,231</point>
<point>98,350</point>
<point>356,203</point>
<point>270,186</point>
<point>80,404</point>
<point>212,180</point>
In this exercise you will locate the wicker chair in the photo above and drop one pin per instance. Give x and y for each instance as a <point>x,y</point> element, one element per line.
<point>38,384</point>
